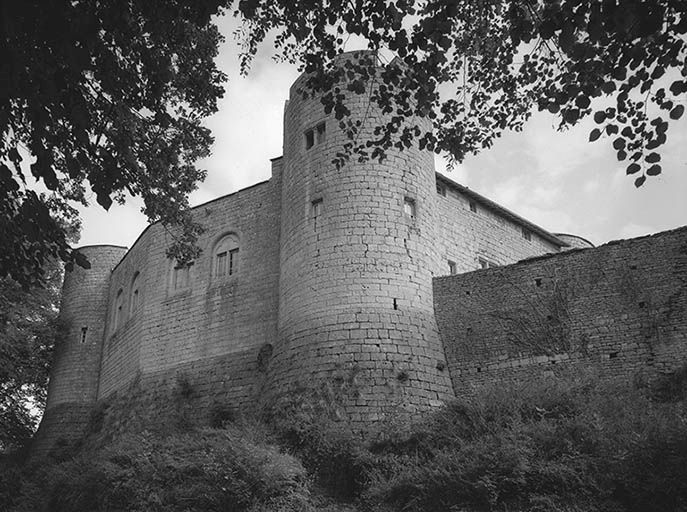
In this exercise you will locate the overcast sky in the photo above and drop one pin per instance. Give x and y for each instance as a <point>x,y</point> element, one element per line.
<point>556,180</point>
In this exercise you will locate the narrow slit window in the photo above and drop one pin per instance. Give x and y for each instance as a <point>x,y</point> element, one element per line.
<point>135,294</point>
<point>84,331</point>
<point>473,207</point>
<point>118,310</point>
<point>441,189</point>
<point>527,234</point>
<point>409,207</point>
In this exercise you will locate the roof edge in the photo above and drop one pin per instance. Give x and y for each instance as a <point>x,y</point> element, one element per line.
<point>547,235</point>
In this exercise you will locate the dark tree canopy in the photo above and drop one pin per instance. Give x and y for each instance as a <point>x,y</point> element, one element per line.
<point>479,67</point>
<point>29,328</point>
<point>108,97</point>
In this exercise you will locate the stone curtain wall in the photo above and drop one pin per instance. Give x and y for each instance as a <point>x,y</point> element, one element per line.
<point>622,305</point>
<point>212,329</point>
<point>465,236</point>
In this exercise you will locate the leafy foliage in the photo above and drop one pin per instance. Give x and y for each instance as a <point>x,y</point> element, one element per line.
<point>573,444</point>
<point>478,68</point>
<point>29,328</point>
<point>108,97</point>
<point>199,471</point>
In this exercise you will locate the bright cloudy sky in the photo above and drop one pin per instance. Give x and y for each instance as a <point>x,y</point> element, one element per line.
<point>556,180</point>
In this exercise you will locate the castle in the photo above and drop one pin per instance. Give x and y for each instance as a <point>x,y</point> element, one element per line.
<point>385,277</point>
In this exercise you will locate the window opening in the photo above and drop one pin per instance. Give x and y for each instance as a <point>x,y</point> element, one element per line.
<point>452,267</point>
<point>473,206</point>
<point>321,133</point>
<point>484,263</point>
<point>118,312</point>
<point>309,139</point>
<point>527,234</point>
<point>84,330</point>
<point>182,276</point>
<point>409,207</point>
<point>316,207</point>
<point>441,190</point>
<point>133,303</point>
<point>226,256</point>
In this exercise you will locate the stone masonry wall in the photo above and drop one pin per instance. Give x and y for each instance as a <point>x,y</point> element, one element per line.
<point>212,328</point>
<point>621,305</point>
<point>355,286</point>
<point>75,369</point>
<point>466,236</point>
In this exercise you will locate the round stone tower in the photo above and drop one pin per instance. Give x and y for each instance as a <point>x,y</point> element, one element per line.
<point>73,385</point>
<point>356,317</point>
<point>574,241</point>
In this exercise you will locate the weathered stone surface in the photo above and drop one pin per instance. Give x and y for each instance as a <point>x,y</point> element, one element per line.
<point>620,307</point>
<point>335,286</point>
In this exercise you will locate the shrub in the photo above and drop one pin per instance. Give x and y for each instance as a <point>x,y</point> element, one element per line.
<point>569,444</point>
<point>200,471</point>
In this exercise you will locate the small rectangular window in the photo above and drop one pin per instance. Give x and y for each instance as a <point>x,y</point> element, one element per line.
<point>452,268</point>
<point>233,261</point>
<point>527,234</point>
<point>409,207</point>
<point>84,330</point>
<point>473,206</point>
<point>309,139</point>
<point>316,208</point>
<point>181,276</point>
<point>321,133</point>
<point>441,189</point>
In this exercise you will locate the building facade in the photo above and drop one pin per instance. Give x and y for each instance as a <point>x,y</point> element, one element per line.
<point>317,277</point>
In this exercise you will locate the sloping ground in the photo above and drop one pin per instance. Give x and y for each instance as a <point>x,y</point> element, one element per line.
<point>565,444</point>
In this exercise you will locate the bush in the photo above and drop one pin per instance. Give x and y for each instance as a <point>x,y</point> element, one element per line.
<point>201,471</point>
<point>569,444</point>
<point>310,424</point>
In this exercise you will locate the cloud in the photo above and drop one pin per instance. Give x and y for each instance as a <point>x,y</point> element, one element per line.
<point>556,179</point>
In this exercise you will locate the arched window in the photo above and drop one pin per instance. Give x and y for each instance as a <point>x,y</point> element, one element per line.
<point>118,310</point>
<point>135,299</point>
<point>225,259</point>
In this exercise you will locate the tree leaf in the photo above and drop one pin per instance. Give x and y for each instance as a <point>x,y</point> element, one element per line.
<point>640,181</point>
<point>633,168</point>
<point>654,170</point>
<point>594,135</point>
<point>652,158</point>
<point>677,112</point>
